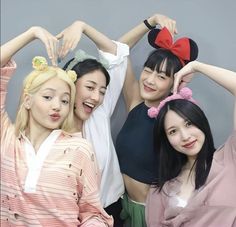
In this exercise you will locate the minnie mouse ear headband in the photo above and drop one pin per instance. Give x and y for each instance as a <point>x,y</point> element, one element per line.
<point>184,93</point>
<point>184,48</point>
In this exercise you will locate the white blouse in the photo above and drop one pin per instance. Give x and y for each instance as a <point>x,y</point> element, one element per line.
<point>97,128</point>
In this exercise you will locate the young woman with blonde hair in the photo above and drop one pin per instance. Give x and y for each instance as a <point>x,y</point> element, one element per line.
<point>49,177</point>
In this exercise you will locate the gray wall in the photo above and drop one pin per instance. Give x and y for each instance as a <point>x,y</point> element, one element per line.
<point>211,23</point>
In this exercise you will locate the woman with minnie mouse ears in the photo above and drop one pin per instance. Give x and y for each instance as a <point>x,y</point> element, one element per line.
<point>134,144</point>
<point>195,184</point>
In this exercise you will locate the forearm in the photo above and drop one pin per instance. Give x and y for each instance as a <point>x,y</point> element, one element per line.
<point>134,35</point>
<point>13,46</point>
<point>223,77</point>
<point>101,41</point>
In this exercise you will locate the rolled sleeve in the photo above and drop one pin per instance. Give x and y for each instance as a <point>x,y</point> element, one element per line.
<point>7,71</point>
<point>114,60</point>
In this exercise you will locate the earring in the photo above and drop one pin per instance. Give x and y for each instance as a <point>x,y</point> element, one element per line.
<point>74,107</point>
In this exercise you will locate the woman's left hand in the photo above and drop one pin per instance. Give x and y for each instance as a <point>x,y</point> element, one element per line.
<point>184,76</point>
<point>70,37</point>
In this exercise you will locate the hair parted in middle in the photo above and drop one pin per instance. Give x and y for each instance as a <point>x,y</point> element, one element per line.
<point>170,161</point>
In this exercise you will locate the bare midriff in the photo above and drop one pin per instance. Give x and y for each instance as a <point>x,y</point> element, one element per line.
<point>136,190</point>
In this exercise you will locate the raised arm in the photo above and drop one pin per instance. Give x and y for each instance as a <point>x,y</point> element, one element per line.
<point>134,35</point>
<point>131,91</point>
<point>13,46</point>
<point>223,77</point>
<point>131,85</point>
<point>72,35</point>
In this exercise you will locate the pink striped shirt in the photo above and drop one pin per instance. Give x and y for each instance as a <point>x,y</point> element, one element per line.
<point>66,192</point>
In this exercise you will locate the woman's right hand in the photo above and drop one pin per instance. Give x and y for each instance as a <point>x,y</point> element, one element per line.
<point>50,42</point>
<point>184,76</point>
<point>164,21</point>
<point>10,48</point>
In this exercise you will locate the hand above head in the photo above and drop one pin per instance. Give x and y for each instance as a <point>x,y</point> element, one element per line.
<point>184,76</point>
<point>9,49</point>
<point>134,35</point>
<point>50,42</point>
<point>70,37</point>
<point>165,21</point>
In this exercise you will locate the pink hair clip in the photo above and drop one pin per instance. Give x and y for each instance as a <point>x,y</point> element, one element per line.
<point>184,93</point>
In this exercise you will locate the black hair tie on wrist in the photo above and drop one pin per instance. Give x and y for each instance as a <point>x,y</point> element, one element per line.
<point>148,25</point>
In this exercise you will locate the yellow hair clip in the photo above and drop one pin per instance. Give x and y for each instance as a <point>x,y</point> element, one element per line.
<point>39,63</point>
<point>72,75</point>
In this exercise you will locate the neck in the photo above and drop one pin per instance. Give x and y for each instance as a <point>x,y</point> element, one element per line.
<point>191,161</point>
<point>189,165</point>
<point>156,102</point>
<point>152,103</point>
<point>188,173</point>
<point>78,124</point>
<point>37,135</point>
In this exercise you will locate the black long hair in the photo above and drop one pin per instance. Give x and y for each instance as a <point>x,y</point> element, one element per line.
<point>170,161</point>
<point>87,66</point>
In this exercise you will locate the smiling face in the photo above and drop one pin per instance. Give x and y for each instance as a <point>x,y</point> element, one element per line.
<point>155,86</point>
<point>90,91</point>
<point>49,106</point>
<point>183,135</point>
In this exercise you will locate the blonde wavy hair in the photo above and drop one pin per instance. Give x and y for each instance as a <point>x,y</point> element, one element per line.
<point>32,83</point>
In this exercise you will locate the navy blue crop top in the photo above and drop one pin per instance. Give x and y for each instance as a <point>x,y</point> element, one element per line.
<point>134,146</point>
